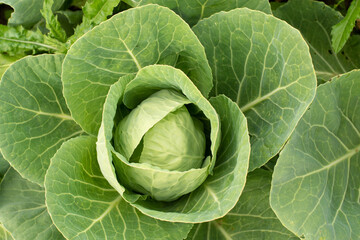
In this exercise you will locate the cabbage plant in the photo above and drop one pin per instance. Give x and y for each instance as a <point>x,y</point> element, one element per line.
<point>147,128</point>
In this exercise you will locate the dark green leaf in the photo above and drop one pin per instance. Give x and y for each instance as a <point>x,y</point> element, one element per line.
<point>193,11</point>
<point>23,210</point>
<point>95,12</point>
<point>52,23</point>
<point>315,20</point>
<point>19,41</point>
<point>27,12</point>
<point>4,166</point>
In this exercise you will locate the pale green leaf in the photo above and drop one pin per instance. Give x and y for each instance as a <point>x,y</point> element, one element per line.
<point>193,11</point>
<point>220,192</point>
<point>23,210</point>
<point>149,112</point>
<point>124,44</point>
<point>177,142</point>
<point>34,119</point>
<point>27,12</point>
<point>4,234</point>
<point>251,218</point>
<point>314,20</point>
<point>315,187</point>
<point>83,205</point>
<point>264,65</point>
<point>341,31</point>
<point>52,23</point>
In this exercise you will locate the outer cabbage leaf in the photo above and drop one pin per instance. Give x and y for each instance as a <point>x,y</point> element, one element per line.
<point>314,20</point>
<point>23,210</point>
<point>251,218</point>
<point>124,44</point>
<point>6,61</point>
<point>4,234</point>
<point>315,187</point>
<point>264,65</point>
<point>27,12</point>
<point>83,205</point>
<point>219,193</point>
<point>34,119</point>
<point>193,11</point>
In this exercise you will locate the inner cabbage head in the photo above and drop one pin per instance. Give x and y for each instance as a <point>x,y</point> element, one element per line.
<point>174,141</point>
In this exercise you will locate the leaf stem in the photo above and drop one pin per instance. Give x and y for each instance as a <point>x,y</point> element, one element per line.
<point>29,42</point>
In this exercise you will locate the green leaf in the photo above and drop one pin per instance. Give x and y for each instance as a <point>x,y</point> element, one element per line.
<point>4,166</point>
<point>95,12</point>
<point>83,205</point>
<point>163,126</point>
<point>23,209</point>
<point>18,41</point>
<point>264,65</point>
<point>251,218</point>
<point>314,20</point>
<point>69,20</point>
<point>341,31</point>
<point>177,142</point>
<point>4,234</point>
<point>220,192</point>
<point>34,119</point>
<point>193,11</point>
<point>6,61</point>
<point>52,23</point>
<point>141,119</point>
<point>124,44</point>
<point>165,185</point>
<point>315,187</point>
<point>27,12</point>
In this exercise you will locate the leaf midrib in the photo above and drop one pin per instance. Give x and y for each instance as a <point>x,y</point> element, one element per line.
<point>348,155</point>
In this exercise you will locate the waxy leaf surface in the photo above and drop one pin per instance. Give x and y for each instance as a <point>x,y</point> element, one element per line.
<point>264,65</point>
<point>251,218</point>
<point>23,210</point>
<point>125,44</point>
<point>193,11</point>
<point>83,205</point>
<point>315,187</point>
<point>34,119</point>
